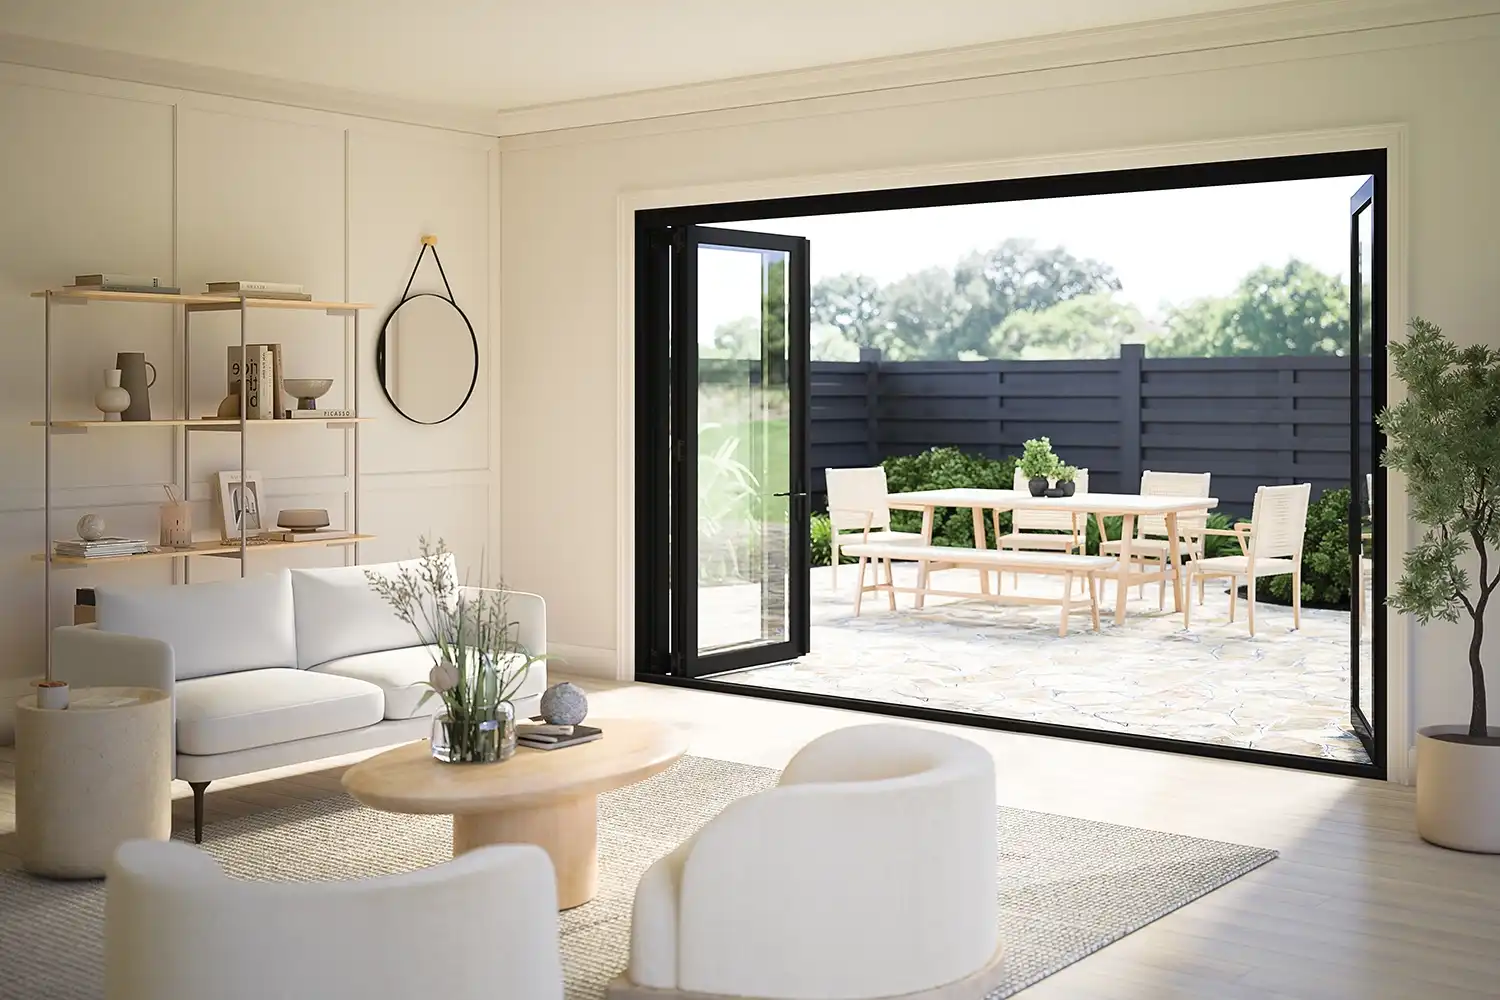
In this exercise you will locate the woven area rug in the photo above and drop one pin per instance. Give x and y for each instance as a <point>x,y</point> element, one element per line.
<point>1067,887</point>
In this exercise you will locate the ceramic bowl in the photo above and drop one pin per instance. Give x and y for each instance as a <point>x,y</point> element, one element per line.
<point>307,388</point>
<point>302,519</point>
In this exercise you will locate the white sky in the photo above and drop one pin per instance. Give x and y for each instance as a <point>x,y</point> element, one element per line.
<point>1165,246</point>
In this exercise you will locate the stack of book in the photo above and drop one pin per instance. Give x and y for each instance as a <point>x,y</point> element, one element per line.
<point>260,290</point>
<point>99,547</point>
<point>123,283</point>
<point>540,737</point>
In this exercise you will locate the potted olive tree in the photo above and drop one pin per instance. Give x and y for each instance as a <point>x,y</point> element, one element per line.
<point>1445,438</point>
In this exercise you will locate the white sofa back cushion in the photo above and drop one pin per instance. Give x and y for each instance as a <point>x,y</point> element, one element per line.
<point>213,628</point>
<point>338,614</point>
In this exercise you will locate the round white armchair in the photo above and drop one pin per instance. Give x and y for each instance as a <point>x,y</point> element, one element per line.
<point>869,871</point>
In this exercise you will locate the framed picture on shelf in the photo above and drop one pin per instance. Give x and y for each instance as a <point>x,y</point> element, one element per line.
<point>241,501</point>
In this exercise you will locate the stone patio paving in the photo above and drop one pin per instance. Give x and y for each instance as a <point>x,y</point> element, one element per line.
<point>1284,690</point>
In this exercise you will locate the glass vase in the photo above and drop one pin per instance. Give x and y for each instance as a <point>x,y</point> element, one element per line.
<point>479,738</point>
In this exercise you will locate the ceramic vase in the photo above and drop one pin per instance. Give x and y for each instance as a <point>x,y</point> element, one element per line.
<point>111,400</point>
<point>133,377</point>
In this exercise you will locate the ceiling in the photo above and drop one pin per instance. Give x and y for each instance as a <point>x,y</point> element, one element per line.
<point>506,54</point>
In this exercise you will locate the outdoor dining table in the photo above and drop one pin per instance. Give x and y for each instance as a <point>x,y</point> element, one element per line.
<point>1127,506</point>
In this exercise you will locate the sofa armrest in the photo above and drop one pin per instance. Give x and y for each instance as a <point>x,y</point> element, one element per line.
<point>86,657</point>
<point>529,612</point>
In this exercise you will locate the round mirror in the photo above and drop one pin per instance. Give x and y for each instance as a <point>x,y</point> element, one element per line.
<point>427,358</point>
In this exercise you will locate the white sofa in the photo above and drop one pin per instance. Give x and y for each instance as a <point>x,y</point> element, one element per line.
<point>480,926</point>
<point>274,669</point>
<point>869,871</point>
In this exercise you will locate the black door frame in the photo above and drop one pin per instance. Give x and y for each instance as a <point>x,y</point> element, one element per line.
<point>653,229</point>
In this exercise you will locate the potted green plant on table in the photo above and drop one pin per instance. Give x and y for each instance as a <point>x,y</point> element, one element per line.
<point>478,661</point>
<point>1038,465</point>
<point>1445,438</point>
<point>1066,476</point>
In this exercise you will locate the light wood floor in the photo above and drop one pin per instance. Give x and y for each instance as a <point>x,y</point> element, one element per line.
<point>1356,906</point>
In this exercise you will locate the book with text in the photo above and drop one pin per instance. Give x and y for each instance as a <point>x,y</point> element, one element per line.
<point>252,370</point>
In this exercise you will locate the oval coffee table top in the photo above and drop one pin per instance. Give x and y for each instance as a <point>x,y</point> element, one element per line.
<point>408,780</point>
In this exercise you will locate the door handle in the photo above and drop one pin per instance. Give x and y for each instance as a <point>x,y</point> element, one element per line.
<point>790,494</point>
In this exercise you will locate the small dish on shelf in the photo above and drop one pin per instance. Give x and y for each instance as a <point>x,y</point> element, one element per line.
<point>302,519</point>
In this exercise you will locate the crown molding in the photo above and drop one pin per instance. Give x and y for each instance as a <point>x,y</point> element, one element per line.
<point>38,53</point>
<point>1272,22</point>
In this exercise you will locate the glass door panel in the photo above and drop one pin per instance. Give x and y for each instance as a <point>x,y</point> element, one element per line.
<point>1365,314</point>
<point>741,348</point>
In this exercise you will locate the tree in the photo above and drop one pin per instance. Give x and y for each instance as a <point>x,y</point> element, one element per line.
<point>1294,309</point>
<point>853,304</point>
<point>1445,437</point>
<point>1016,276</point>
<point>921,310</point>
<point>1089,326</point>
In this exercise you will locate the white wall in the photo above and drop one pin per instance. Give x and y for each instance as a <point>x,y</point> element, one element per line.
<point>562,296</point>
<point>100,175</point>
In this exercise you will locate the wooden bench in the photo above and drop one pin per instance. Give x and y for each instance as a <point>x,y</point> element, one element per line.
<point>1066,565</point>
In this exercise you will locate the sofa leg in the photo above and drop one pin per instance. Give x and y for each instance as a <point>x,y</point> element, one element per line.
<point>198,787</point>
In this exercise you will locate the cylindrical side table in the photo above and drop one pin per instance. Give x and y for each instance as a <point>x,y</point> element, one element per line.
<point>91,776</point>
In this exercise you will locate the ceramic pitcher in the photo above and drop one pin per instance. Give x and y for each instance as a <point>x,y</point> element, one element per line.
<point>133,379</point>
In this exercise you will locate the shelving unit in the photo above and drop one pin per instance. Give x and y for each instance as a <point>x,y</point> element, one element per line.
<point>190,306</point>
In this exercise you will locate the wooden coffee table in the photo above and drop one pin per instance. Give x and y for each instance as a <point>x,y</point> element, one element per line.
<point>543,797</point>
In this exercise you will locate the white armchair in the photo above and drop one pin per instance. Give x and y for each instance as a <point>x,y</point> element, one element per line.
<point>176,926</point>
<point>869,871</point>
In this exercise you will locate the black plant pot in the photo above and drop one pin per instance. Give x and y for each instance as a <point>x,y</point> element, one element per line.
<point>1038,486</point>
<point>1067,488</point>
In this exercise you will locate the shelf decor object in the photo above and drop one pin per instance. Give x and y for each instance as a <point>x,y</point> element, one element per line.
<point>112,400</point>
<point>427,355</point>
<point>177,543</point>
<point>307,390</point>
<point>133,365</point>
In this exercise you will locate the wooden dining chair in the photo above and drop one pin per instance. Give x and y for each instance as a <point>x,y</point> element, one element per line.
<point>857,502</point>
<point>1272,546</point>
<point>1151,543</point>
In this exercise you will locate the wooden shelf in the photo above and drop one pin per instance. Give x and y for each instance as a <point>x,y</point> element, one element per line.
<point>230,551</point>
<point>98,295</point>
<point>197,302</point>
<point>198,423</point>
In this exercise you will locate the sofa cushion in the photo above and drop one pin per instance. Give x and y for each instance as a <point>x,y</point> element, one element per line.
<point>229,712</point>
<point>399,674</point>
<point>213,628</point>
<point>338,614</point>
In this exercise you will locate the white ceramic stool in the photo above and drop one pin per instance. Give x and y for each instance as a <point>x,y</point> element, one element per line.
<point>91,776</point>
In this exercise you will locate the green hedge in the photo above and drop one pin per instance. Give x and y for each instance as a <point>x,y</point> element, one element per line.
<point>948,468</point>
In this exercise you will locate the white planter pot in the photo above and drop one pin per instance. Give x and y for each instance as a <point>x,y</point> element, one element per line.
<point>53,696</point>
<point>1458,791</point>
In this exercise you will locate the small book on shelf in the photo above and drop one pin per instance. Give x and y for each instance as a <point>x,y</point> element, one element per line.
<point>320,535</point>
<point>263,287</point>
<point>332,413</point>
<point>106,282</point>
<point>538,738</point>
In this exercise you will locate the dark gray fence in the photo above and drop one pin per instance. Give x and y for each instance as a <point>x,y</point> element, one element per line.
<point>1249,421</point>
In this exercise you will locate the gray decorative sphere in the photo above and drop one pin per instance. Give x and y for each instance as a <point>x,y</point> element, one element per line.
<point>564,705</point>
<point>91,527</point>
